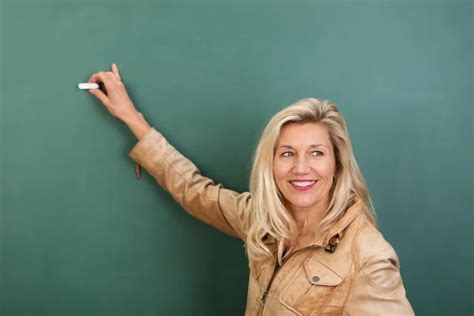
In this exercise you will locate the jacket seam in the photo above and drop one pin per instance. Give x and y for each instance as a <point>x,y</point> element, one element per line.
<point>348,291</point>
<point>355,247</point>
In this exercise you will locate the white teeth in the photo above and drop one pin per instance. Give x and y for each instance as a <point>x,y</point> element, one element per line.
<point>302,183</point>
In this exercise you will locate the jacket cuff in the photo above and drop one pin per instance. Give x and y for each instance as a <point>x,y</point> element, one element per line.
<point>151,151</point>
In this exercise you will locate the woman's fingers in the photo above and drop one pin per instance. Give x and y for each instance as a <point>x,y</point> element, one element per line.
<point>101,77</point>
<point>115,98</point>
<point>100,95</point>
<point>109,79</point>
<point>116,71</point>
<point>98,78</point>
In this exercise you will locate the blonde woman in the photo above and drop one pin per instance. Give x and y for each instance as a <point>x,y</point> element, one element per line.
<point>307,223</point>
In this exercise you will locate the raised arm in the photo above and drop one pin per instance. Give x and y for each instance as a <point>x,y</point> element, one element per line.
<point>224,209</point>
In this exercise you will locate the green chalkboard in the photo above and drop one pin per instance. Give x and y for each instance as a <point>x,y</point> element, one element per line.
<point>79,235</point>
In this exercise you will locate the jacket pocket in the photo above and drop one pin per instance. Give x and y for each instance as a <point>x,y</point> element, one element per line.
<point>310,288</point>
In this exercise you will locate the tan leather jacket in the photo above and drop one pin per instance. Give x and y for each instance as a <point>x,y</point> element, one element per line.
<point>351,270</point>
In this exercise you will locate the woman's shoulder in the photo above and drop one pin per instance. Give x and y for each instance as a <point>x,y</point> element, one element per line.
<point>369,244</point>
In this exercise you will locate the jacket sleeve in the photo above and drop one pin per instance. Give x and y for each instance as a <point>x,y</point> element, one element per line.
<point>211,203</point>
<point>377,288</point>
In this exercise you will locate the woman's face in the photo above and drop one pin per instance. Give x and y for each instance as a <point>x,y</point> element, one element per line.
<point>304,165</point>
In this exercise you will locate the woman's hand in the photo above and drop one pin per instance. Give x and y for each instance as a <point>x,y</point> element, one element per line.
<point>118,102</point>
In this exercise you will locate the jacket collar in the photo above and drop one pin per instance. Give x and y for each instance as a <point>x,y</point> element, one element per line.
<point>330,239</point>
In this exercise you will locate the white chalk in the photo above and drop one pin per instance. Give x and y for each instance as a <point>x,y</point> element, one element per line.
<point>85,86</point>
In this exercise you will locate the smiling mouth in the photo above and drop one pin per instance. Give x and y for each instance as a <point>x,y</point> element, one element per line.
<point>303,185</point>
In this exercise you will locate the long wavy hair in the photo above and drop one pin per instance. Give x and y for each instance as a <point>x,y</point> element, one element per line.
<point>270,216</point>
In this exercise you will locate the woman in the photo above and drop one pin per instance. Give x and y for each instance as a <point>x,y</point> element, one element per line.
<point>307,222</point>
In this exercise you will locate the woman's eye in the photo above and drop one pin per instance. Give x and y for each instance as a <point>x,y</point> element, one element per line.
<point>287,154</point>
<point>317,153</point>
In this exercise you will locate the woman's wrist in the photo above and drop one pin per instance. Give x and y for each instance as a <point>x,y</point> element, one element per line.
<point>137,124</point>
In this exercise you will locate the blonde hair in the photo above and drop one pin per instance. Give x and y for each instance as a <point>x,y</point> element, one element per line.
<point>269,215</point>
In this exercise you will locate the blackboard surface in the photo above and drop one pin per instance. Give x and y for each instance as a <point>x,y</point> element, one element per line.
<point>80,236</point>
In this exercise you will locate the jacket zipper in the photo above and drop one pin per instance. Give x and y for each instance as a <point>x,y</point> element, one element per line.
<point>275,271</point>
<point>278,268</point>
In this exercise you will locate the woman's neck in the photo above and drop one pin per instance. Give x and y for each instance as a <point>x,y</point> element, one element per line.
<point>307,218</point>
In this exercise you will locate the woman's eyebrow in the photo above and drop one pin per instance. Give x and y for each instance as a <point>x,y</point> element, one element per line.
<point>311,146</point>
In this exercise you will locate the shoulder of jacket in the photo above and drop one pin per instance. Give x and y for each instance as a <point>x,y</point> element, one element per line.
<point>369,243</point>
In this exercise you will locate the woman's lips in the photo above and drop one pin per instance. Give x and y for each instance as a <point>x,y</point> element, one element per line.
<point>303,185</point>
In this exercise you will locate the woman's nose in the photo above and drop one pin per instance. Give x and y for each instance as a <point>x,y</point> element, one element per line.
<point>301,166</point>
